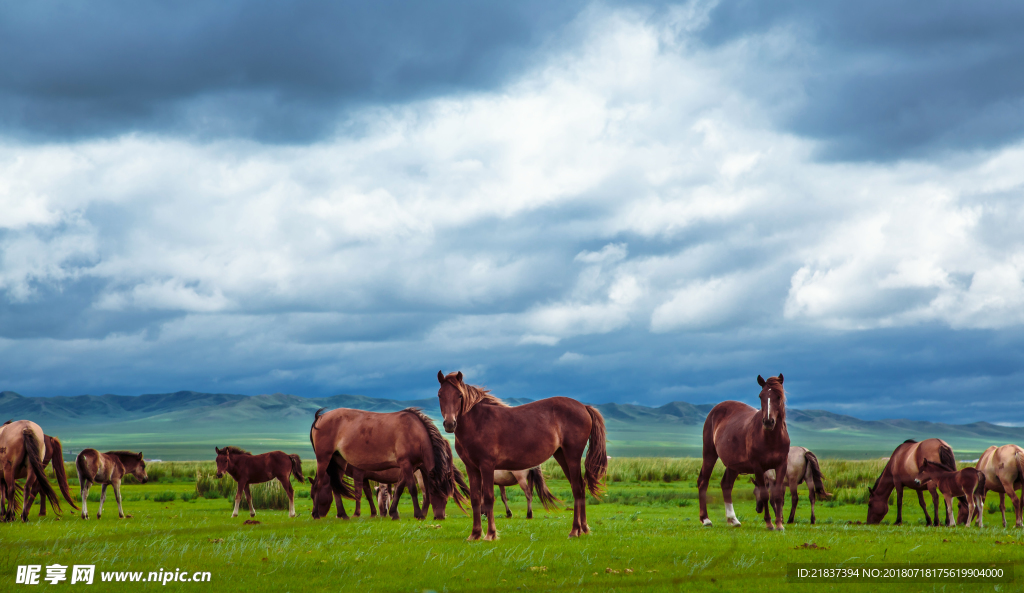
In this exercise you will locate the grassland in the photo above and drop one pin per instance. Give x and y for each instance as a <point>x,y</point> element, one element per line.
<point>646,536</point>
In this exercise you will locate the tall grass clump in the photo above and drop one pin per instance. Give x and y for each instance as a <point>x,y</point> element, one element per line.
<point>208,486</point>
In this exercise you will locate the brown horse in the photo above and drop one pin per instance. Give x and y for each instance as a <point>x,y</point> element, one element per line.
<point>107,469</point>
<point>490,435</point>
<point>371,441</point>
<point>530,481</point>
<point>802,467</point>
<point>1004,473</point>
<point>23,444</point>
<point>968,482</point>
<point>55,457</point>
<point>748,441</point>
<point>901,472</point>
<point>247,468</point>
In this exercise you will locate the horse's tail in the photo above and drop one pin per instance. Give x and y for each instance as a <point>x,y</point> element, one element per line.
<point>980,488</point>
<point>35,462</point>
<point>461,493</point>
<point>596,463</point>
<point>297,468</point>
<point>535,482</point>
<point>339,484</point>
<point>57,462</point>
<point>946,457</point>
<point>440,479</point>
<point>1019,459</point>
<point>815,471</point>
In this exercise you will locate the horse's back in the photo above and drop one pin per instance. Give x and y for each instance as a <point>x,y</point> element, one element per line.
<point>725,419</point>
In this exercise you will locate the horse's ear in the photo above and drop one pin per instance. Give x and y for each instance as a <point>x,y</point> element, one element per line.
<point>760,380</point>
<point>217,449</point>
<point>440,377</point>
<point>871,491</point>
<point>780,378</point>
<point>140,455</point>
<point>459,376</point>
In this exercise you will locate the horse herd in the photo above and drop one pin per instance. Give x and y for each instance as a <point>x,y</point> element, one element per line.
<point>504,446</point>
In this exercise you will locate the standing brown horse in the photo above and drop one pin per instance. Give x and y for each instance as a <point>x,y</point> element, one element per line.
<point>23,444</point>
<point>748,441</point>
<point>247,468</point>
<point>490,435</point>
<point>1004,473</point>
<point>968,483</point>
<point>901,472</point>
<point>107,469</point>
<point>55,457</point>
<point>371,441</point>
<point>802,467</point>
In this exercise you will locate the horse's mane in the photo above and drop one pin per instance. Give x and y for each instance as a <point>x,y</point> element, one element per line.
<point>123,453</point>
<point>473,395</point>
<point>236,450</point>
<point>441,476</point>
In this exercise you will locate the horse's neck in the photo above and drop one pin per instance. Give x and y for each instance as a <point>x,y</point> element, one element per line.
<point>886,483</point>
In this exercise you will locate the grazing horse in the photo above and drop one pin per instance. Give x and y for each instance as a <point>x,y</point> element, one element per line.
<point>371,441</point>
<point>802,467</point>
<point>901,472</point>
<point>490,435</point>
<point>107,469</point>
<point>967,482</point>
<point>247,468</point>
<point>23,444</point>
<point>1004,473</point>
<point>748,441</point>
<point>55,457</point>
<point>528,480</point>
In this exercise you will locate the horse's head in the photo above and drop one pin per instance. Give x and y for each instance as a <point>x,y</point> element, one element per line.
<point>773,401</point>
<point>222,461</point>
<point>138,470</point>
<point>450,396</point>
<point>383,498</point>
<point>878,506</point>
<point>321,495</point>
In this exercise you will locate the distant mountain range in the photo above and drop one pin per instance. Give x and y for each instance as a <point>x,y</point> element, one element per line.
<point>187,424</point>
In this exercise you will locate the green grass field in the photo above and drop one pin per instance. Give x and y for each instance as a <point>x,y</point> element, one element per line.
<point>645,536</point>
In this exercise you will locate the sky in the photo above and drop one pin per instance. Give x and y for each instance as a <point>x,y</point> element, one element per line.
<point>613,201</point>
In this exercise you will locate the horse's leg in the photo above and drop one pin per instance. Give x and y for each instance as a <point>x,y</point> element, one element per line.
<point>1002,507</point>
<point>703,479</point>
<point>899,504</point>
<point>524,485</point>
<point>238,499</point>
<point>103,499</point>
<point>778,494</point>
<point>85,484</point>
<point>30,484</point>
<point>980,505</point>
<point>399,489</point>
<point>409,475</point>
<point>810,496</point>
<point>728,479</point>
<point>1008,489</point>
<point>487,489</point>
<point>248,496</point>
<point>924,507</point>
<point>475,499</point>
<point>951,520</point>
<point>42,506</point>
<point>935,503</point>
<point>286,483</point>
<point>763,496</point>
<point>117,497</point>
<point>357,486</point>
<point>794,498</point>
<point>30,495</point>
<point>369,497</point>
<point>504,499</point>
<point>571,466</point>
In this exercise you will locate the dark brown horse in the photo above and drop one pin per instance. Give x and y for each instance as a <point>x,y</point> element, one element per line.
<point>23,444</point>
<point>247,468</point>
<point>901,472</point>
<point>802,467</point>
<point>968,483</point>
<point>55,457</point>
<point>491,435</point>
<point>107,469</point>
<point>748,441</point>
<point>371,441</point>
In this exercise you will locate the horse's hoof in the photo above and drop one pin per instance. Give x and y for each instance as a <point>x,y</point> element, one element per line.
<point>490,537</point>
<point>394,517</point>
<point>769,527</point>
<point>732,521</point>
<point>574,533</point>
<point>780,527</point>
<point>473,537</point>
<point>528,515</point>
<point>706,522</point>
<point>509,515</point>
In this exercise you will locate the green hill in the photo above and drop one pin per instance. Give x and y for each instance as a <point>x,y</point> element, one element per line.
<point>187,425</point>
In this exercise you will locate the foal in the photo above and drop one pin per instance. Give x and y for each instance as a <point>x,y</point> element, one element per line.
<point>107,469</point>
<point>247,468</point>
<point>967,482</point>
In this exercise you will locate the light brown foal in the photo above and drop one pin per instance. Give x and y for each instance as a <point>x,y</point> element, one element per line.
<point>107,469</point>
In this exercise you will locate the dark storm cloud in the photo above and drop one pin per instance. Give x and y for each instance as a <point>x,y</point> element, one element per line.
<point>879,81</point>
<point>271,70</point>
